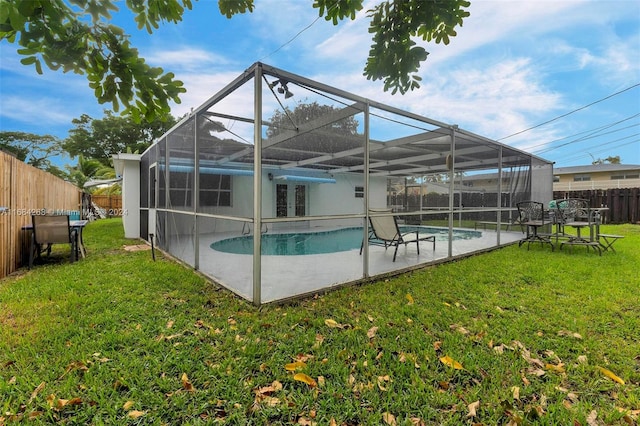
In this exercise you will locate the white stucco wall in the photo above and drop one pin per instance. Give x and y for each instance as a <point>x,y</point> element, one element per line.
<point>128,166</point>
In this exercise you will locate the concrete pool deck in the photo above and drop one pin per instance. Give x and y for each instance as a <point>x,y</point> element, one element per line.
<point>285,277</point>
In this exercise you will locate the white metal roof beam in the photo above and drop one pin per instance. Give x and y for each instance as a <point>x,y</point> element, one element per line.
<point>375,146</point>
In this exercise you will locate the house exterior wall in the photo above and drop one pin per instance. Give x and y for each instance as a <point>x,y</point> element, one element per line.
<point>597,180</point>
<point>324,199</point>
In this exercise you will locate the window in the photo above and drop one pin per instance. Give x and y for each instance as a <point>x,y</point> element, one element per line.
<point>625,176</point>
<point>215,190</point>
<point>359,191</point>
<point>556,178</point>
<point>581,178</point>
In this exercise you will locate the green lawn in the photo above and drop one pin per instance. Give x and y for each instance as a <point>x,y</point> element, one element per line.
<point>509,337</point>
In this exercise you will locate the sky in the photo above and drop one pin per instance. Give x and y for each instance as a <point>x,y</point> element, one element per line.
<point>559,79</point>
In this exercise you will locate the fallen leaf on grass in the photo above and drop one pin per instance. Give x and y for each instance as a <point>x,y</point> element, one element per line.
<point>170,323</point>
<point>97,356</point>
<point>381,381</point>
<point>557,368</point>
<point>32,415</point>
<point>591,418</point>
<point>76,365</point>
<point>293,366</point>
<point>134,414</point>
<point>266,390</point>
<point>59,403</point>
<point>450,362</point>
<point>306,422</point>
<point>301,377</point>
<point>331,323</point>
<point>389,419</point>
<point>372,332</point>
<point>270,401</point>
<point>36,391</point>
<point>460,329</point>
<point>410,300</point>
<point>516,392</point>
<point>319,340</point>
<point>473,407</point>
<point>611,375</point>
<point>630,416</point>
<point>569,334</point>
<point>527,355</point>
<point>127,405</point>
<point>186,384</point>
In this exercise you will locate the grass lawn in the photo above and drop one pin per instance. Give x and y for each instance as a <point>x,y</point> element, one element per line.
<point>511,337</point>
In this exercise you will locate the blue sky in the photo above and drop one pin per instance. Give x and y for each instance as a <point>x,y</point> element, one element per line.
<point>574,65</point>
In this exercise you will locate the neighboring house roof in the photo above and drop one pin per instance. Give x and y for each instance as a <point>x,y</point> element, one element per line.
<point>593,168</point>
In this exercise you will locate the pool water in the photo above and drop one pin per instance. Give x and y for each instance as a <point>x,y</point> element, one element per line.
<point>302,243</point>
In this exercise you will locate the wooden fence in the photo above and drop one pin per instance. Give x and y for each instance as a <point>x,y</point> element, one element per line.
<point>623,203</point>
<point>111,204</point>
<point>25,190</point>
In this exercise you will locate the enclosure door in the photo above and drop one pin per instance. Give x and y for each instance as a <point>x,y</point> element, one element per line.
<point>291,200</point>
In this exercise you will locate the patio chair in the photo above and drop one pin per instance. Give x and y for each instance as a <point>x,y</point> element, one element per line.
<point>385,232</point>
<point>48,230</point>
<point>576,213</point>
<point>531,215</point>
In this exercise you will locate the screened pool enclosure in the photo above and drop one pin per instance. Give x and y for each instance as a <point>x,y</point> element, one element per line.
<point>267,187</point>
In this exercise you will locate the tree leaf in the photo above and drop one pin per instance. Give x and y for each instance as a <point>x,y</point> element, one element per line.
<point>372,332</point>
<point>473,407</point>
<point>557,368</point>
<point>301,377</point>
<point>293,366</point>
<point>389,419</point>
<point>611,375</point>
<point>134,414</point>
<point>36,391</point>
<point>516,392</point>
<point>186,384</point>
<point>450,362</point>
<point>333,323</point>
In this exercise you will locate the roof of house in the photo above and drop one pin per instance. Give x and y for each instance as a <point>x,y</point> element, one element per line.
<point>592,168</point>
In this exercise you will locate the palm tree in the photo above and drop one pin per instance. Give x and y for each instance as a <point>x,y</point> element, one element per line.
<point>89,168</point>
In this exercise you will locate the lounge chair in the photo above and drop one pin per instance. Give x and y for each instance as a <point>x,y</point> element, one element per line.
<point>48,230</point>
<point>385,232</point>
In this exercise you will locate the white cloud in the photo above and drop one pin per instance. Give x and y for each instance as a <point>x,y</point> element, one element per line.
<point>186,58</point>
<point>35,110</point>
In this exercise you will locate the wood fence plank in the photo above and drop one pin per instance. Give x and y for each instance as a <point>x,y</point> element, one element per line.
<point>25,190</point>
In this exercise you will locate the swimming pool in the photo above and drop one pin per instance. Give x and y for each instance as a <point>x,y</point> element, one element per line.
<point>303,243</point>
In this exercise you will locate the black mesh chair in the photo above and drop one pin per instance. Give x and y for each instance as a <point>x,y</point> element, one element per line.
<point>48,230</point>
<point>531,215</point>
